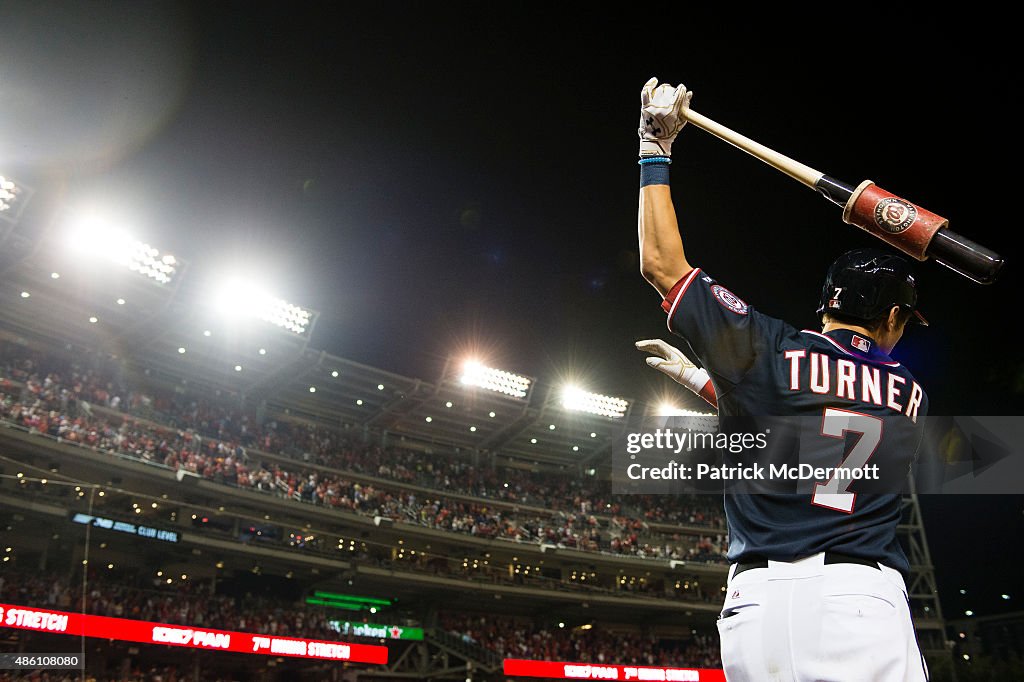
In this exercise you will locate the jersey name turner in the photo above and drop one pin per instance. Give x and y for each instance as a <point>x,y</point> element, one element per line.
<point>851,380</point>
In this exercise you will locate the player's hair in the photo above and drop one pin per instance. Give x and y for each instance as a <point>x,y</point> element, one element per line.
<point>874,325</point>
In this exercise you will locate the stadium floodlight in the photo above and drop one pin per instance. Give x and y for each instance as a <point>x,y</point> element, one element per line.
<point>237,298</point>
<point>575,398</point>
<point>9,192</point>
<point>497,380</point>
<point>670,410</point>
<point>96,237</point>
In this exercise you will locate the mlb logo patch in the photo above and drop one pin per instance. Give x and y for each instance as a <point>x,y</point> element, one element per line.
<point>860,343</point>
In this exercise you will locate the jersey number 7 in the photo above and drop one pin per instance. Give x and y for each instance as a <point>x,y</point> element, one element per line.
<point>836,423</point>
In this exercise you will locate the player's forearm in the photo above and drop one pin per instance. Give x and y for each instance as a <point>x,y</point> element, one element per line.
<point>662,116</point>
<point>662,260</point>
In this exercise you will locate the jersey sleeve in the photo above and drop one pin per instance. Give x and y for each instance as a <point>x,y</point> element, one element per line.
<point>721,331</point>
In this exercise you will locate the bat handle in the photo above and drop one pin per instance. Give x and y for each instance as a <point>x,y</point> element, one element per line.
<point>965,257</point>
<point>794,169</point>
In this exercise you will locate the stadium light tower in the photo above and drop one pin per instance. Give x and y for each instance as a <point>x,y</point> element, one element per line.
<point>238,299</point>
<point>476,374</point>
<point>93,236</point>
<point>576,399</point>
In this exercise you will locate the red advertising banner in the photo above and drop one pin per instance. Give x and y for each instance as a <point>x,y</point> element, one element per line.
<point>126,630</point>
<point>557,670</point>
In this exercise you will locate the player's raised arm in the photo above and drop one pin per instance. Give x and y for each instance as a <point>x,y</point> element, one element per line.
<point>662,261</point>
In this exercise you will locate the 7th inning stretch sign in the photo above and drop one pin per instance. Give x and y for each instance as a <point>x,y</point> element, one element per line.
<point>127,630</point>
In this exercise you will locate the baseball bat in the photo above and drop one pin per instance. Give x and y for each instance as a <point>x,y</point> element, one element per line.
<point>913,230</point>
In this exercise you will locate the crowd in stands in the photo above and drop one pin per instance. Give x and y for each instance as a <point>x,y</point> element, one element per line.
<point>60,398</point>
<point>513,637</point>
<point>183,602</point>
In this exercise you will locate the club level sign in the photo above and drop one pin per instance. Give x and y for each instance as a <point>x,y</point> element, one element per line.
<point>125,527</point>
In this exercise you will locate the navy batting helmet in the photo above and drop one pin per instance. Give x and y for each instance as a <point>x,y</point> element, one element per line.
<point>864,284</point>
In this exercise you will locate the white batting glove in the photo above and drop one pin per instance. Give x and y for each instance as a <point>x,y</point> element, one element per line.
<point>672,362</point>
<point>662,116</point>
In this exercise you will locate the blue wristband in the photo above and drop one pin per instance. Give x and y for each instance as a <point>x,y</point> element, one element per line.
<point>654,170</point>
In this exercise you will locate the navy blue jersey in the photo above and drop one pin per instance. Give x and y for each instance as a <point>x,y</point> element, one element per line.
<point>763,369</point>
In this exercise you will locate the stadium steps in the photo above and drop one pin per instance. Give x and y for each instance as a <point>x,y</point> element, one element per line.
<point>480,657</point>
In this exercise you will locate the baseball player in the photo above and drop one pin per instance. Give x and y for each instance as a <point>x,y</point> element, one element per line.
<point>816,587</point>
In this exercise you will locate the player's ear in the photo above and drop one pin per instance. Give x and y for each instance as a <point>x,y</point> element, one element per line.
<point>896,318</point>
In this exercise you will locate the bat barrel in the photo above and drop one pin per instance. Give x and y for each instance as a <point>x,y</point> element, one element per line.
<point>965,257</point>
<point>919,233</point>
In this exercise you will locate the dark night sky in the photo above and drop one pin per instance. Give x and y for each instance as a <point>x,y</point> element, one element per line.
<point>437,178</point>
